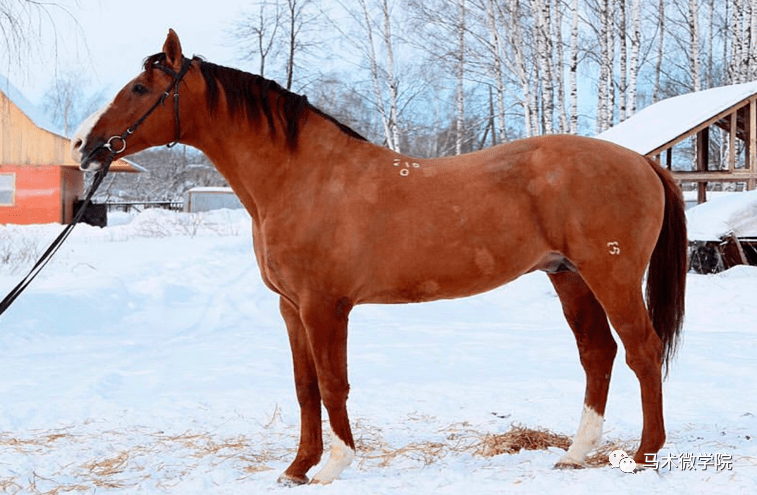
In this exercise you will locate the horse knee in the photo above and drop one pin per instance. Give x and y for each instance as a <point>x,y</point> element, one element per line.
<point>335,396</point>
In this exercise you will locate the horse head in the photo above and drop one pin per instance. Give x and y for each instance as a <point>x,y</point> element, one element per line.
<point>143,114</point>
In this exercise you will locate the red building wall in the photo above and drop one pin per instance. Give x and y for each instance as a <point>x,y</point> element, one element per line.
<point>43,194</point>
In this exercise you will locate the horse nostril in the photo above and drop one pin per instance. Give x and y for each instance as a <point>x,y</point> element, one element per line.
<point>77,144</point>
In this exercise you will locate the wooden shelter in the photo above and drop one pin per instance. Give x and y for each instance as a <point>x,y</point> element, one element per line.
<point>655,130</point>
<point>39,181</point>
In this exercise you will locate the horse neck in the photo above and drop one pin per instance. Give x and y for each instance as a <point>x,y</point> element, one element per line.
<point>261,167</point>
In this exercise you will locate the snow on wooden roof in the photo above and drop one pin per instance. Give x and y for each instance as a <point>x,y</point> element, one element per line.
<point>35,114</point>
<point>668,120</point>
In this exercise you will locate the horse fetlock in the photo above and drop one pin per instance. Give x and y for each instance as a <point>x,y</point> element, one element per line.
<point>341,457</point>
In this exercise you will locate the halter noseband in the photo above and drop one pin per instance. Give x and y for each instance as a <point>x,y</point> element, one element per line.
<point>177,77</point>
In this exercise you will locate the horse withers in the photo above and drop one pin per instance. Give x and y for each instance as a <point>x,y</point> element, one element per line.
<point>338,221</point>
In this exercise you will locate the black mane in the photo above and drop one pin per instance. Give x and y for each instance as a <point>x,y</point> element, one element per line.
<point>249,95</point>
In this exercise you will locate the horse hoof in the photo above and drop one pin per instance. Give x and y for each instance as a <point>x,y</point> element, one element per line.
<point>290,481</point>
<point>565,464</point>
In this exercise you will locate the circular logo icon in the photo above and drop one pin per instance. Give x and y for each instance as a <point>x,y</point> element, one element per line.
<point>616,456</point>
<point>627,465</point>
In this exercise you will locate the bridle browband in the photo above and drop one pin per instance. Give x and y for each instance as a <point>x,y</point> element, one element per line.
<point>177,77</point>
<point>100,175</point>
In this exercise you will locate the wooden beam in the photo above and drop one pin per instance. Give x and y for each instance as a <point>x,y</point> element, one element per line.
<point>714,176</point>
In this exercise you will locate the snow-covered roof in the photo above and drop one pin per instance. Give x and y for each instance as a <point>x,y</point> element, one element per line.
<point>714,219</point>
<point>667,120</point>
<point>35,114</point>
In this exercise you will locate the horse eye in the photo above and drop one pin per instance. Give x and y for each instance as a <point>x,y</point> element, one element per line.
<point>140,89</point>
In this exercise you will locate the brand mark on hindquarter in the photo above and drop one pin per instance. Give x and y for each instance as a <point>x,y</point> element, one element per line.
<point>614,248</point>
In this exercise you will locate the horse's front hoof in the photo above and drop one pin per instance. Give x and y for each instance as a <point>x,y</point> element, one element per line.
<point>567,464</point>
<point>290,481</point>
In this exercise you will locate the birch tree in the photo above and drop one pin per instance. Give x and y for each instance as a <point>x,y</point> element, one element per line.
<point>574,70</point>
<point>693,21</point>
<point>660,49</point>
<point>635,48</point>
<point>623,83</point>
<point>542,17</point>
<point>459,126</point>
<point>560,67</point>
<point>605,67</point>
<point>493,13</point>
<point>382,74</point>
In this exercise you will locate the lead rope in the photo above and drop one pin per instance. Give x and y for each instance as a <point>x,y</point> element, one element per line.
<point>99,176</point>
<point>48,254</point>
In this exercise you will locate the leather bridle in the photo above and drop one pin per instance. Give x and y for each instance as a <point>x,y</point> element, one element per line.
<point>115,150</point>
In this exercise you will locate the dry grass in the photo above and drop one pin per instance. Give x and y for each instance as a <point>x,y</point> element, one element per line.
<point>520,438</point>
<point>142,456</point>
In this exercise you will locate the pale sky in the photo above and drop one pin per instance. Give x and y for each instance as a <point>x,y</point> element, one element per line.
<point>119,34</point>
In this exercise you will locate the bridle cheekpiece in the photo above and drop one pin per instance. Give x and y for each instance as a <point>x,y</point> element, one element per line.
<point>112,144</point>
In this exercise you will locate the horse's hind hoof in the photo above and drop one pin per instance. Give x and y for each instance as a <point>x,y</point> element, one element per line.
<point>290,481</point>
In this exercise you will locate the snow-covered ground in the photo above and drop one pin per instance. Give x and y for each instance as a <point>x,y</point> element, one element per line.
<point>148,357</point>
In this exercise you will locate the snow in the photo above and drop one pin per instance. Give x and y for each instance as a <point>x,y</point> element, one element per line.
<point>208,189</point>
<point>713,220</point>
<point>148,357</point>
<point>652,127</point>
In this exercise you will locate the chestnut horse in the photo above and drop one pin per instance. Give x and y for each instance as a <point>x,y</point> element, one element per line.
<point>338,221</point>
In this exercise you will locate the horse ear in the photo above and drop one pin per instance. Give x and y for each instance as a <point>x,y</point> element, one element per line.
<point>172,49</point>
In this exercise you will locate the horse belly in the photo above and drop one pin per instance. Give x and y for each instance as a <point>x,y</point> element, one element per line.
<point>457,270</point>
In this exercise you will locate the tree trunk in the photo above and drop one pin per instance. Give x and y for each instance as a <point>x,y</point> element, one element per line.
<point>391,80</point>
<point>460,81</point>
<point>693,20</point>
<point>574,70</point>
<point>498,71</point>
<point>542,18</point>
<point>605,68</point>
<point>560,66</point>
<point>635,48</point>
<point>660,48</point>
<point>622,35</point>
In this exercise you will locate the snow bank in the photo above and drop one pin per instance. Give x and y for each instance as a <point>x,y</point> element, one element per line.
<point>159,364</point>
<point>736,212</point>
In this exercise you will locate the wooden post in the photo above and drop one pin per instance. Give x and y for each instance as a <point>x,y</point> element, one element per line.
<point>703,161</point>
<point>751,164</point>
<point>703,150</point>
<point>732,143</point>
<point>669,158</point>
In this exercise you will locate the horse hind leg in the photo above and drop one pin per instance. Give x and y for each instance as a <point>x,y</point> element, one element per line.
<point>597,350</point>
<point>624,304</point>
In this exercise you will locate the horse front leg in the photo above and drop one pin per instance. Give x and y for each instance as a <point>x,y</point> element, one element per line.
<point>309,397</point>
<point>326,326</point>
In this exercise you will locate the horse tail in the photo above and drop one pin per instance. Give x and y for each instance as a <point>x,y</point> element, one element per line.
<point>666,278</point>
